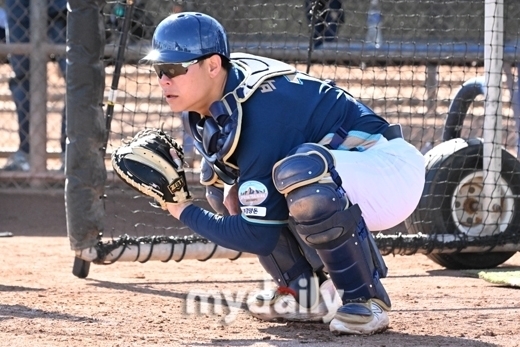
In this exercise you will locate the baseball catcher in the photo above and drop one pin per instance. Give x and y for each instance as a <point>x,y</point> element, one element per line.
<point>299,170</point>
<point>147,165</point>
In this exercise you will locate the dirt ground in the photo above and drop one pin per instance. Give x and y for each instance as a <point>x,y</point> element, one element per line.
<point>152,304</point>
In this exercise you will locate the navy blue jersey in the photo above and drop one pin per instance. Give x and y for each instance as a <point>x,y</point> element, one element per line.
<point>284,112</point>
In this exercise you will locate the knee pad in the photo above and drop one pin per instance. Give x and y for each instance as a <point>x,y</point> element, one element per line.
<point>208,175</point>
<point>311,185</point>
<point>215,198</point>
<point>214,188</point>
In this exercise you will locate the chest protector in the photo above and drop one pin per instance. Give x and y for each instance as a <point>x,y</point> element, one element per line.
<point>216,136</point>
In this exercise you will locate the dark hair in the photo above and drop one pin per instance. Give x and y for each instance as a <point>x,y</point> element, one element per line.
<point>225,62</point>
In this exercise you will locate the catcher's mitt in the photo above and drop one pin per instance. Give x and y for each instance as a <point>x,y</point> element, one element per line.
<point>146,165</point>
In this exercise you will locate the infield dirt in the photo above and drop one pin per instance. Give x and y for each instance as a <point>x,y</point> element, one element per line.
<point>147,304</point>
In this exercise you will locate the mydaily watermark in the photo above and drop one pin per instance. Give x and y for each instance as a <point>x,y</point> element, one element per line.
<point>229,304</point>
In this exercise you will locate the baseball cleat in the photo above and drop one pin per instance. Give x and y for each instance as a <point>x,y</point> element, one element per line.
<point>360,318</point>
<point>280,305</point>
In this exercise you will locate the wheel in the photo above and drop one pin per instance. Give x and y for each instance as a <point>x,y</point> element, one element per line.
<point>450,200</point>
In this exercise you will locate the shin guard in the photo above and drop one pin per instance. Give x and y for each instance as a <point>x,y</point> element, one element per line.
<point>342,242</point>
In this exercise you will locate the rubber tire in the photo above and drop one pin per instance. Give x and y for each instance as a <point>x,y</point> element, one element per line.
<point>447,164</point>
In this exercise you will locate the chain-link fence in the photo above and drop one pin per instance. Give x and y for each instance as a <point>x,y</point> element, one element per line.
<point>440,43</point>
<point>405,59</point>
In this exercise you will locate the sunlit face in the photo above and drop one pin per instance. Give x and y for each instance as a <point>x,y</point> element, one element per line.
<point>193,90</point>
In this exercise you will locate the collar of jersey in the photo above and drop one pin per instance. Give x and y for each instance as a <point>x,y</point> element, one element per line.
<point>234,79</point>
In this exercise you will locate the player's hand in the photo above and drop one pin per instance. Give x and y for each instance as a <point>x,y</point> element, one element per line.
<point>176,209</point>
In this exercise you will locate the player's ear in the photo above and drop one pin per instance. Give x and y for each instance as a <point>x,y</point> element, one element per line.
<point>214,64</point>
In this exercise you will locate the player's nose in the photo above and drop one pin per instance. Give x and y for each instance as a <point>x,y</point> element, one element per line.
<point>164,80</point>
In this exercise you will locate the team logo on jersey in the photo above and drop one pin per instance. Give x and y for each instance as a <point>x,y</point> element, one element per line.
<point>267,86</point>
<point>252,193</point>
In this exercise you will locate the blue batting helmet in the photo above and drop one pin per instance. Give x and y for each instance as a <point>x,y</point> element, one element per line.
<point>187,36</point>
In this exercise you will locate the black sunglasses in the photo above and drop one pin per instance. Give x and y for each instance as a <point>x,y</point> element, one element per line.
<point>173,70</point>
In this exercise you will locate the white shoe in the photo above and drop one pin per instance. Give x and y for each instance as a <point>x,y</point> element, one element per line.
<point>360,318</point>
<point>275,305</point>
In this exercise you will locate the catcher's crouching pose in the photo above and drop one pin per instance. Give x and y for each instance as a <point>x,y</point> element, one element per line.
<point>310,170</point>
